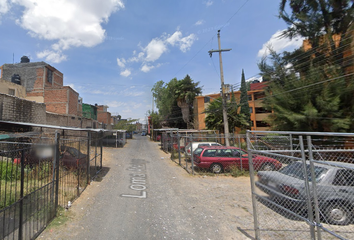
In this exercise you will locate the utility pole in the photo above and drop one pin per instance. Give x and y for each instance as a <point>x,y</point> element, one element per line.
<point>224,112</point>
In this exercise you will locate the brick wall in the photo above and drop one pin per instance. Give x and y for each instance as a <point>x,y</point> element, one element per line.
<point>56,100</point>
<point>20,110</point>
<point>73,101</point>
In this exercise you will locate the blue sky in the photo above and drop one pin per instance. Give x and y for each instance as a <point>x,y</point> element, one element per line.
<point>113,51</point>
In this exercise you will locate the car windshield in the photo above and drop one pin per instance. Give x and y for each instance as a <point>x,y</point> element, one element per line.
<point>296,170</point>
<point>198,151</point>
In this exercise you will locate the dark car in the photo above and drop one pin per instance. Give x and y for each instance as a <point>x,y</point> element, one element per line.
<point>335,187</point>
<point>219,158</point>
<point>71,157</point>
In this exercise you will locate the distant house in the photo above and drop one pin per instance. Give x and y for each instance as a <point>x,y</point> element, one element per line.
<point>43,84</point>
<point>258,113</point>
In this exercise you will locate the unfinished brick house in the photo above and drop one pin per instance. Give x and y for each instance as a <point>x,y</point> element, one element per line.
<point>44,84</point>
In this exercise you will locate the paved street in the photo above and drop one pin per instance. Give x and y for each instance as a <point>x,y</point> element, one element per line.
<point>144,195</point>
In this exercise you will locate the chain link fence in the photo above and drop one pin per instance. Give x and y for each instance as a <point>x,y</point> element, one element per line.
<point>181,147</point>
<point>40,173</point>
<point>312,195</point>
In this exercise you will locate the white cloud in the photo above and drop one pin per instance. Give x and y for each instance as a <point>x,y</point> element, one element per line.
<point>4,6</point>
<point>187,42</point>
<point>133,94</point>
<point>115,104</point>
<point>121,62</point>
<point>208,3</point>
<point>52,56</point>
<point>72,23</point>
<point>279,44</point>
<point>125,73</point>
<point>156,47</point>
<point>145,68</point>
<point>200,22</point>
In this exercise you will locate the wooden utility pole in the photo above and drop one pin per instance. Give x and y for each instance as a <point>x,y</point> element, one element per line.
<point>224,112</point>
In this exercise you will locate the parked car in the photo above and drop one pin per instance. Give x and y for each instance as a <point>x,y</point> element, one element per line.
<point>72,158</point>
<point>143,133</point>
<point>335,187</point>
<point>195,145</point>
<point>219,158</point>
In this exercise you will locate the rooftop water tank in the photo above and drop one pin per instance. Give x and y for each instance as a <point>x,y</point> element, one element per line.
<point>25,59</point>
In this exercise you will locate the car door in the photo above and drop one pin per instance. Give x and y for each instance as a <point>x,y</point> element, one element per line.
<point>243,158</point>
<point>344,184</point>
<point>224,157</point>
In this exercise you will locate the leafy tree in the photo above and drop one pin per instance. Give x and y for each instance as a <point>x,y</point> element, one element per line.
<point>245,108</point>
<point>214,115</point>
<point>126,124</point>
<point>185,93</point>
<point>307,103</point>
<point>326,24</point>
<point>175,101</point>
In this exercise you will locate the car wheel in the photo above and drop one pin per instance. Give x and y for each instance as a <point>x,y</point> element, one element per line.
<point>338,214</point>
<point>267,167</point>
<point>216,168</point>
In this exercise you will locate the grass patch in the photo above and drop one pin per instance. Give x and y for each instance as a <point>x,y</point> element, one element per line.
<point>235,171</point>
<point>62,217</point>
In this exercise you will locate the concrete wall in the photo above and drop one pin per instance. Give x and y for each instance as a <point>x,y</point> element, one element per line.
<point>20,110</point>
<point>5,86</point>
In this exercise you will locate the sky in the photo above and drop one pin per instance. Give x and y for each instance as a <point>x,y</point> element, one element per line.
<point>112,52</point>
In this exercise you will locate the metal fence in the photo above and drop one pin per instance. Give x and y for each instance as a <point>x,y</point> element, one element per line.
<point>38,175</point>
<point>182,145</point>
<point>312,195</point>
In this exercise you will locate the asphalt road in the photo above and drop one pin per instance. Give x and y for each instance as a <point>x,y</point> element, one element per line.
<point>144,195</point>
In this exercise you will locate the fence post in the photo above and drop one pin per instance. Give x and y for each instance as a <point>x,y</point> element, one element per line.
<point>56,156</point>
<point>254,200</point>
<point>20,226</point>
<point>291,144</point>
<point>239,146</point>
<point>88,157</point>
<point>78,174</point>
<point>307,188</point>
<point>101,146</point>
<point>179,148</point>
<point>314,188</point>
<point>192,156</point>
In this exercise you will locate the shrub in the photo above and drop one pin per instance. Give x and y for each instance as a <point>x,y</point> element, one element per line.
<point>9,171</point>
<point>237,172</point>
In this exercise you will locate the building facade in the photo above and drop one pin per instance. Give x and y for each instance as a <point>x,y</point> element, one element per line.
<point>258,113</point>
<point>43,84</point>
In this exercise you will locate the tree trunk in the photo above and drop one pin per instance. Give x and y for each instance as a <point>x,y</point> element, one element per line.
<point>185,110</point>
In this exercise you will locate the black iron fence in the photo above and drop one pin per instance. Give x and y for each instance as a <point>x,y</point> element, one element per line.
<point>37,176</point>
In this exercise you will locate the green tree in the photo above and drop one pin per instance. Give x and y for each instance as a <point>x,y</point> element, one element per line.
<point>126,124</point>
<point>175,101</point>
<point>318,21</point>
<point>214,115</point>
<point>245,108</point>
<point>310,103</point>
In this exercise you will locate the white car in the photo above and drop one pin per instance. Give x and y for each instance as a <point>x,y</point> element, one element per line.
<point>198,144</point>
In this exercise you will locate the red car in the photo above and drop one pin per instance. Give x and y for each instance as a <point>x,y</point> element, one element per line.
<point>219,158</point>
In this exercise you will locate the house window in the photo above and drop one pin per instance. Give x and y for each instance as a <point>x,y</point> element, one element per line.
<point>49,75</point>
<point>12,92</point>
<point>262,110</point>
<point>206,99</point>
<point>251,109</point>
<point>249,97</point>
